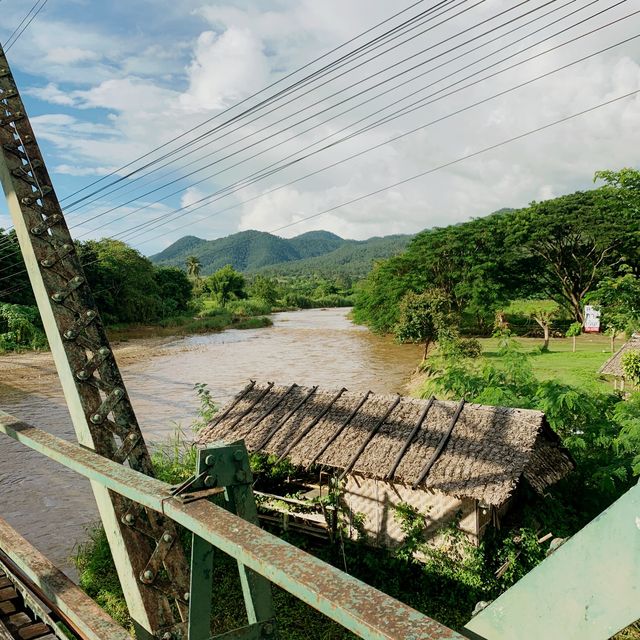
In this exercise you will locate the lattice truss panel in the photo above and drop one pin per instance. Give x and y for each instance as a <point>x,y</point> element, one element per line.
<point>154,551</point>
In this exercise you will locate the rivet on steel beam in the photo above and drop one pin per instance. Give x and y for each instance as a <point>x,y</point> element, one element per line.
<point>118,393</point>
<point>78,280</point>
<point>133,436</point>
<point>129,518</point>
<point>46,262</point>
<point>148,575</point>
<point>241,475</point>
<point>69,335</point>
<point>104,351</point>
<point>167,538</point>
<point>186,596</point>
<point>210,460</point>
<point>82,375</point>
<point>91,313</point>
<point>268,629</point>
<point>210,481</point>
<point>167,636</point>
<point>96,418</point>
<point>27,138</point>
<point>57,297</point>
<point>67,247</point>
<point>238,455</point>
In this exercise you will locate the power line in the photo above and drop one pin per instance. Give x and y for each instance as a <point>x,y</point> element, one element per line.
<point>393,139</point>
<point>9,43</point>
<point>250,97</point>
<point>109,210</point>
<point>401,112</point>
<point>437,6</point>
<point>450,163</point>
<point>347,99</point>
<point>261,175</point>
<point>312,78</point>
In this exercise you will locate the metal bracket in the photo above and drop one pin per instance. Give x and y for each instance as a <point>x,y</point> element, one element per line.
<point>150,572</point>
<point>225,468</point>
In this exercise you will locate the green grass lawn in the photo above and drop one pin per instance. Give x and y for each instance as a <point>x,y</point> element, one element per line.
<point>577,369</point>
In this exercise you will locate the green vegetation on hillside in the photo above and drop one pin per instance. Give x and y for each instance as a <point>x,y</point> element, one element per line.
<point>316,252</point>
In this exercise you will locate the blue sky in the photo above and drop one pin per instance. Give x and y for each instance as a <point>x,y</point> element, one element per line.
<point>107,82</point>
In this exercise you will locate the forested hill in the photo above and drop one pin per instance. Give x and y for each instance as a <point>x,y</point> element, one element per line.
<point>317,251</point>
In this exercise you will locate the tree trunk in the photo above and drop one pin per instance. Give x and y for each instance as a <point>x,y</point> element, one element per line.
<point>574,343</point>
<point>426,349</point>
<point>545,347</point>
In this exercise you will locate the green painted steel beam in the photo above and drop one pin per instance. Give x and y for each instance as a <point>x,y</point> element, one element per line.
<point>588,589</point>
<point>365,611</point>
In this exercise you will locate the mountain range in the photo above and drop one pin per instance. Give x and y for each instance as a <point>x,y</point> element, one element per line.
<point>319,252</point>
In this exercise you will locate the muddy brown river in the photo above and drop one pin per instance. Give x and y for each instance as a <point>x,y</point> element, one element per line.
<point>52,507</point>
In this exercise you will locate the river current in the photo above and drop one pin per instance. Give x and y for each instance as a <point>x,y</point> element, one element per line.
<point>52,507</point>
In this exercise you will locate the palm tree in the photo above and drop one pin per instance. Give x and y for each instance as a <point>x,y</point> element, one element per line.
<point>193,266</point>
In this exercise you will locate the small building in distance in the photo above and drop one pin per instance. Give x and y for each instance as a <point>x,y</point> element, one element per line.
<point>613,366</point>
<point>451,461</point>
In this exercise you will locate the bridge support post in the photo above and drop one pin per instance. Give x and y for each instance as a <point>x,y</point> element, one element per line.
<point>223,474</point>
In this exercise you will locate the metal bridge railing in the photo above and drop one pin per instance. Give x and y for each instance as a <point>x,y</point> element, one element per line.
<point>365,611</point>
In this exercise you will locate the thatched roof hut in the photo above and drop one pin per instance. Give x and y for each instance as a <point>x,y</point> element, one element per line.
<point>462,449</point>
<point>613,366</point>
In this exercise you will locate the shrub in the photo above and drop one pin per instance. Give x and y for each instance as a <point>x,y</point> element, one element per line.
<point>631,365</point>
<point>20,328</point>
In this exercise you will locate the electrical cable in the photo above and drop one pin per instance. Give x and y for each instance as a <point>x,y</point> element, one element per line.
<point>450,163</point>
<point>420,103</point>
<point>307,118</point>
<point>244,100</point>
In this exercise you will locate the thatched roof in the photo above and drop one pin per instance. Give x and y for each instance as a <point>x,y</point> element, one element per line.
<point>465,450</point>
<point>613,366</point>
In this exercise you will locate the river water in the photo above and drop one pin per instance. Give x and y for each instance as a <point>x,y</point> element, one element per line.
<point>52,507</point>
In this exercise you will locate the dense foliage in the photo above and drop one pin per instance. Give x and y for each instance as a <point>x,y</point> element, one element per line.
<point>20,328</point>
<point>560,249</point>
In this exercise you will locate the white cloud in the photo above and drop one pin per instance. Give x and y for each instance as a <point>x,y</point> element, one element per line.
<point>224,69</point>
<point>225,51</point>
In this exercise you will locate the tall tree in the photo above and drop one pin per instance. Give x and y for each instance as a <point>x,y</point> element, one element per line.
<point>193,266</point>
<point>577,239</point>
<point>423,317</point>
<point>225,284</point>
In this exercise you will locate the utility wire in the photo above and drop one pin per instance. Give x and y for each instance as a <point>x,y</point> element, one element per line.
<point>261,175</point>
<point>312,78</point>
<point>405,110</point>
<point>437,6</point>
<point>250,97</point>
<point>393,139</point>
<point>460,159</point>
<point>307,118</point>
<point>9,43</point>
<point>409,58</point>
<point>450,163</point>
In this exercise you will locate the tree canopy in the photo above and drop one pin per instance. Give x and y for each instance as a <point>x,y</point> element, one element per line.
<point>559,249</point>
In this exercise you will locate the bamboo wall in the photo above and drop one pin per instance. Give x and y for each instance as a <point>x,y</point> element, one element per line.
<point>377,499</point>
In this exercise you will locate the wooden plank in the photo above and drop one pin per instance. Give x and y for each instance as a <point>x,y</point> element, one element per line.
<point>19,620</point>
<point>7,608</point>
<point>9,593</point>
<point>5,582</point>
<point>36,630</point>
